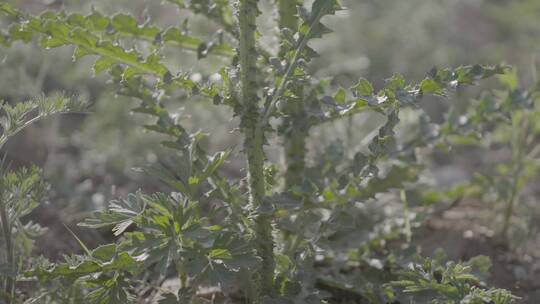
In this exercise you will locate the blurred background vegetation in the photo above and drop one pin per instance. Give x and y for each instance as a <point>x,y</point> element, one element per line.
<point>89,159</point>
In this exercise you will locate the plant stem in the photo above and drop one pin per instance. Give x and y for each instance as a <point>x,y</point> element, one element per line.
<point>295,151</point>
<point>408,231</point>
<point>253,145</point>
<point>9,287</point>
<point>295,125</point>
<point>520,133</point>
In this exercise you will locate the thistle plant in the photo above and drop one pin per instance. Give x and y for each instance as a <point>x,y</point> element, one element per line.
<point>214,231</point>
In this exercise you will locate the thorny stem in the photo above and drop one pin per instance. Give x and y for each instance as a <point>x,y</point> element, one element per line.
<point>295,125</point>
<point>254,141</point>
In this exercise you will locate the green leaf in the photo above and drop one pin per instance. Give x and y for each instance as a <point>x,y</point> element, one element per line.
<point>120,213</point>
<point>340,96</point>
<point>363,88</point>
<point>103,64</point>
<point>510,79</point>
<point>312,27</point>
<point>430,86</point>
<point>221,253</point>
<point>9,10</point>
<point>214,163</point>
<point>123,261</point>
<point>104,252</point>
<point>51,42</point>
<point>175,35</point>
<point>126,24</point>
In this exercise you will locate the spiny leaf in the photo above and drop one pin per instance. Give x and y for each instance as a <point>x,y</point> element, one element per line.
<point>438,83</point>
<point>311,28</point>
<point>363,88</point>
<point>91,38</point>
<point>127,24</point>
